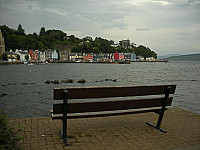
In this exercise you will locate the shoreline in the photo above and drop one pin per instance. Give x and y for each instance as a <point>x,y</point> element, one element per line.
<point>100,62</point>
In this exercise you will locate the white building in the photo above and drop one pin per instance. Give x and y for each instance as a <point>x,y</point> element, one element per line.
<point>75,56</point>
<point>54,55</point>
<point>150,59</point>
<point>42,56</point>
<point>140,58</point>
<point>22,54</point>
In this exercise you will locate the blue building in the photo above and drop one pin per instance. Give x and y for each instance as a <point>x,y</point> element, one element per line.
<point>133,57</point>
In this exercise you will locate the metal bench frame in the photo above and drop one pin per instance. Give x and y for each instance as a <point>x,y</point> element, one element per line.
<point>64,94</point>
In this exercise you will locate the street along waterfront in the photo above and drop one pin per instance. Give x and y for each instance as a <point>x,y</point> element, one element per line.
<point>24,93</point>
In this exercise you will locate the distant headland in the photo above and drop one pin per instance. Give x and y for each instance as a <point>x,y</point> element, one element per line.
<point>189,57</point>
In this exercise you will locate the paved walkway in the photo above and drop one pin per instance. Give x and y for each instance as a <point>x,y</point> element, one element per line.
<point>127,132</point>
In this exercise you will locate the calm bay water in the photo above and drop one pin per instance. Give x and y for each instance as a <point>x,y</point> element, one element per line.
<point>23,92</point>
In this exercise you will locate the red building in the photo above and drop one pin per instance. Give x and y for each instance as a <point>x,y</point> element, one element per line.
<point>118,56</point>
<point>88,57</point>
<point>33,54</point>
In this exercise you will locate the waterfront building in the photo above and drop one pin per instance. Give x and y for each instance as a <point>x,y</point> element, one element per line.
<point>22,54</point>
<point>48,54</point>
<point>150,59</point>
<point>64,55</point>
<point>97,57</point>
<point>140,58</point>
<point>42,55</point>
<point>33,54</point>
<point>12,57</point>
<point>108,56</point>
<point>54,55</point>
<point>2,44</point>
<point>73,56</point>
<point>132,56</point>
<point>116,56</point>
<point>126,56</point>
<point>88,57</point>
<point>119,56</point>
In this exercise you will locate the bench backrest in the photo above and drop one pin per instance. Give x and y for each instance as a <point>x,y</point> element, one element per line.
<point>107,92</point>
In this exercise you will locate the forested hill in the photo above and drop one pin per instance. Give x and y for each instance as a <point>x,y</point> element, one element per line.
<point>17,39</point>
<point>190,57</point>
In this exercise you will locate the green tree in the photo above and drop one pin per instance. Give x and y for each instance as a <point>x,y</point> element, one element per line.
<point>4,56</point>
<point>15,42</point>
<point>17,39</point>
<point>42,31</point>
<point>18,57</point>
<point>20,30</point>
<point>27,57</point>
<point>104,45</point>
<point>40,45</point>
<point>145,52</point>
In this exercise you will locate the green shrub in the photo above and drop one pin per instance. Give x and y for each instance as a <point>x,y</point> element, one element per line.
<point>9,139</point>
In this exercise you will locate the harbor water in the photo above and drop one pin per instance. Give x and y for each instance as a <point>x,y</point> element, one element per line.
<point>24,93</point>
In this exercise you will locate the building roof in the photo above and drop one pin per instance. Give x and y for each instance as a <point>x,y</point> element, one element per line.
<point>10,53</point>
<point>73,54</point>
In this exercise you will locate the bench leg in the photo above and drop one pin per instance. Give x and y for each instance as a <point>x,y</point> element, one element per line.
<point>64,139</point>
<point>65,132</point>
<point>64,120</point>
<point>156,127</point>
<point>161,113</point>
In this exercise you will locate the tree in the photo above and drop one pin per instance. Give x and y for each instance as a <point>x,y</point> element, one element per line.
<point>4,56</point>
<point>17,39</point>
<point>40,45</point>
<point>145,52</point>
<point>20,30</point>
<point>27,57</point>
<point>42,31</point>
<point>18,57</point>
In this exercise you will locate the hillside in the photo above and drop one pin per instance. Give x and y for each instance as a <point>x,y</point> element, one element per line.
<point>166,56</point>
<point>57,39</point>
<point>190,57</point>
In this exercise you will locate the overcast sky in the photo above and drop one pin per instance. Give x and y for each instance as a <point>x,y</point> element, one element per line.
<point>165,26</point>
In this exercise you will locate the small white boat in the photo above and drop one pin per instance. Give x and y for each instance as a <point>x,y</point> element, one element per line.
<point>29,64</point>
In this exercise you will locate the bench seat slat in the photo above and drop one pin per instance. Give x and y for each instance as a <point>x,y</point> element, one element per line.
<point>110,105</point>
<point>105,113</point>
<point>103,92</point>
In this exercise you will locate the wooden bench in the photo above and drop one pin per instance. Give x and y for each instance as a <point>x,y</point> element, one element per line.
<point>120,101</point>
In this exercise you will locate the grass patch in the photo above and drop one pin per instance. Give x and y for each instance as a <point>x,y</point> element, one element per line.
<point>88,135</point>
<point>71,136</point>
<point>102,130</point>
<point>9,138</point>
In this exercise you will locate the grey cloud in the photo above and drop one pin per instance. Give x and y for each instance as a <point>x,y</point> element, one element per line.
<point>96,17</point>
<point>185,34</point>
<point>143,29</point>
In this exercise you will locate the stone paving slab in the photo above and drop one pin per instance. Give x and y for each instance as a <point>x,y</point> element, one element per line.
<point>129,132</point>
